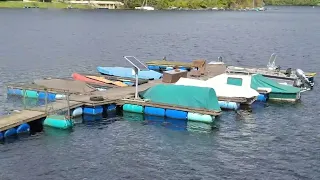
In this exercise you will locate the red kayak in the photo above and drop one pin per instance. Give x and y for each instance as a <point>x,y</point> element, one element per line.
<point>83,78</point>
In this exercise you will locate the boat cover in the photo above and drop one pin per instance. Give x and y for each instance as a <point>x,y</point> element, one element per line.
<point>128,72</point>
<point>222,90</point>
<point>184,96</point>
<point>258,80</point>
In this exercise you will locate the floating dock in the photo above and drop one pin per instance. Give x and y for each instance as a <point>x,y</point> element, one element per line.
<point>80,94</point>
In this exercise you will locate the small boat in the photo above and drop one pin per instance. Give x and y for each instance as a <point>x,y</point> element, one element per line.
<point>145,6</point>
<point>296,77</point>
<point>223,91</point>
<point>83,78</point>
<point>129,72</point>
<point>107,81</point>
<point>259,83</point>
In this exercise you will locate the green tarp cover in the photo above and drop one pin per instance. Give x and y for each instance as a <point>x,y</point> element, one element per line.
<point>260,81</point>
<point>184,96</point>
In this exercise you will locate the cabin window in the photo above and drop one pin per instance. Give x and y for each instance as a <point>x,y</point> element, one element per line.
<point>234,81</point>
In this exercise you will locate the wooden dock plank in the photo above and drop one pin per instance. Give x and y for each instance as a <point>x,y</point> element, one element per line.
<point>18,118</point>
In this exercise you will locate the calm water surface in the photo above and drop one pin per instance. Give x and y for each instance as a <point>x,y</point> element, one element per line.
<point>279,141</point>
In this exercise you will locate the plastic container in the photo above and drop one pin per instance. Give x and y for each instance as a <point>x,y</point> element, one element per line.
<point>176,114</point>
<point>93,110</point>
<point>111,107</point>
<point>31,94</point>
<point>17,92</point>
<point>23,128</point>
<point>133,108</point>
<point>262,97</point>
<point>200,117</point>
<point>229,105</point>
<point>154,111</point>
<point>10,132</point>
<point>1,136</point>
<point>50,96</point>
<point>58,122</point>
<point>77,112</point>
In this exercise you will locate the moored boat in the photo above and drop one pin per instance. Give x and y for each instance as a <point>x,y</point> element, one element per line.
<point>129,72</point>
<point>224,92</point>
<point>258,82</point>
<point>292,77</point>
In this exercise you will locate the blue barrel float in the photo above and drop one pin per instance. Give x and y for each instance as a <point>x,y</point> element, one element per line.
<point>262,97</point>
<point>1,136</point>
<point>50,96</point>
<point>58,121</point>
<point>17,92</point>
<point>200,117</point>
<point>133,108</point>
<point>94,110</point>
<point>176,114</point>
<point>229,105</point>
<point>23,128</point>
<point>10,132</point>
<point>111,107</point>
<point>154,111</point>
<point>77,112</point>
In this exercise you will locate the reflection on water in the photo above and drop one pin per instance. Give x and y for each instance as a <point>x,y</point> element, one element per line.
<point>169,123</point>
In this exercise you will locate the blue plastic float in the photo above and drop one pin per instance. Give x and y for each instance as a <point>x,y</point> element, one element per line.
<point>262,97</point>
<point>50,96</point>
<point>176,114</point>
<point>1,135</point>
<point>229,105</point>
<point>154,111</point>
<point>93,110</point>
<point>10,132</point>
<point>16,92</point>
<point>111,107</point>
<point>23,128</point>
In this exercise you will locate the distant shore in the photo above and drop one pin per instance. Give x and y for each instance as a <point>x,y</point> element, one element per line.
<point>62,5</point>
<point>42,5</point>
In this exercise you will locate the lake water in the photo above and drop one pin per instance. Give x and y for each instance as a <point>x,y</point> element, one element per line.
<point>278,141</point>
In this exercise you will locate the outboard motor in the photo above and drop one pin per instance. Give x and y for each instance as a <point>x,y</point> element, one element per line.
<point>305,81</point>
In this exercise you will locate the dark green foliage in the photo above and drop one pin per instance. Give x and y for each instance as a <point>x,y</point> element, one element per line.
<point>193,4</point>
<point>293,2</point>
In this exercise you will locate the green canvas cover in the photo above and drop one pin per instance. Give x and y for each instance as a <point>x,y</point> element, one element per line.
<point>260,81</point>
<point>184,96</point>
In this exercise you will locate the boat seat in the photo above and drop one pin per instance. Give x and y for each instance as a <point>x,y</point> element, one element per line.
<point>200,65</point>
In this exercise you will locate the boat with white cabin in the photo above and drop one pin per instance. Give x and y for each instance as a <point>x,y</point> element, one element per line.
<point>145,6</point>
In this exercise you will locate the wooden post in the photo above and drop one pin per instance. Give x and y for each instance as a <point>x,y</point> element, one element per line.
<point>24,98</point>
<point>68,105</point>
<point>46,100</point>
